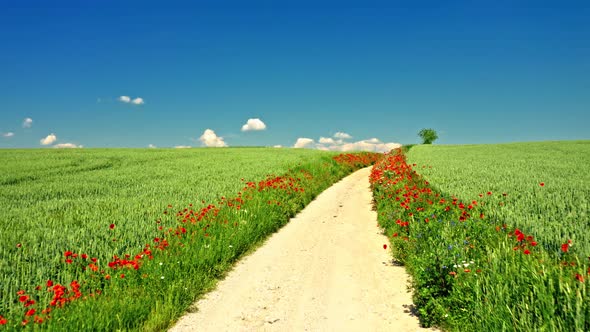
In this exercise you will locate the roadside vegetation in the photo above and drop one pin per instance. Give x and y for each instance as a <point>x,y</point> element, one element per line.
<point>107,240</point>
<point>494,236</point>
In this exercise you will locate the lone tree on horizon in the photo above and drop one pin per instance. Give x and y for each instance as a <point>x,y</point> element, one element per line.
<point>428,135</point>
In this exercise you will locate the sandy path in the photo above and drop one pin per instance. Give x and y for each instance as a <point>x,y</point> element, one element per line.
<point>326,270</point>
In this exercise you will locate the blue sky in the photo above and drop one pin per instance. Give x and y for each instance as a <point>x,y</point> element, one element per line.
<point>477,72</point>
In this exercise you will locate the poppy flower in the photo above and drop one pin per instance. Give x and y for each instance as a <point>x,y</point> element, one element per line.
<point>542,184</point>
<point>579,277</point>
<point>565,247</point>
<point>384,246</point>
<point>527,252</point>
<point>3,320</point>
<point>112,226</point>
<point>30,312</point>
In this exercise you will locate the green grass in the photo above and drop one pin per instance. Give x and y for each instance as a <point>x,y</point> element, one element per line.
<point>555,213</point>
<point>58,200</point>
<point>491,262</point>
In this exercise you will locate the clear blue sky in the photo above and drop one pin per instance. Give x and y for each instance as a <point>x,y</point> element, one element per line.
<point>477,72</point>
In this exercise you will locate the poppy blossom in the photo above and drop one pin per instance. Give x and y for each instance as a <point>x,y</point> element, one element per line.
<point>384,246</point>
<point>542,184</point>
<point>527,252</point>
<point>30,312</point>
<point>112,226</point>
<point>565,247</point>
<point>3,320</point>
<point>579,277</point>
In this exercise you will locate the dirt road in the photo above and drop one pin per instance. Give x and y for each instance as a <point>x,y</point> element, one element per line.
<point>326,270</point>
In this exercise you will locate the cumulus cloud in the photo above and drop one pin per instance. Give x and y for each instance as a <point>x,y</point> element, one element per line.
<point>327,143</point>
<point>254,124</point>
<point>327,140</point>
<point>303,142</point>
<point>49,139</point>
<point>183,147</point>
<point>129,100</point>
<point>124,99</point>
<point>151,146</point>
<point>210,139</point>
<point>342,135</point>
<point>67,146</point>
<point>368,145</point>
<point>9,134</point>
<point>27,123</point>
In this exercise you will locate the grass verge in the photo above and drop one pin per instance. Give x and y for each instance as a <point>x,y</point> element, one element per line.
<point>471,270</point>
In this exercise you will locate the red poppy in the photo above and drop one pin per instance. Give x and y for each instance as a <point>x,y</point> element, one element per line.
<point>18,245</point>
<point>579,277</point>
<point>68,253</point>
<point>84,256</point>
<point>49,283</point>
<point>542,184</point>
<point>112,226</point>
<point>30,312</point>
<point>527,252</point>
<point>565,247</point>
<point>122,275</point>
<point>467,270</point>
<point>489,193</point>
<point>533,243</point>
<point>23,298</point>
<point>3,320</point>
<point>384,246</point>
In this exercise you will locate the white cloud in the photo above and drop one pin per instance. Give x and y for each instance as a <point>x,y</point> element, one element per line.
<point>303,142</point>
<point>49,139</point>
<point>327,140</point>
<point>373,140</point>
<point>9,134</point>
<point>138,101</point>
<point>368,145</point>
<point>151,146</point>
<point>210,139</point>
<point>183,147</point>
<point>124,99</point>
<point>342,135</point>
<point>67,146</point>
<point>27,123</point>
<point>278,146</point>
<point>254,124</point>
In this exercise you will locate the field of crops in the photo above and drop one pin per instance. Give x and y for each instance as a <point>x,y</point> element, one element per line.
<point>542,188</point>
<point>126,239</point>
<point>496,237</point>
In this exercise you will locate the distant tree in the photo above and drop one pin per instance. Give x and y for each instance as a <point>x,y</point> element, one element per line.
<point>428,135</point>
